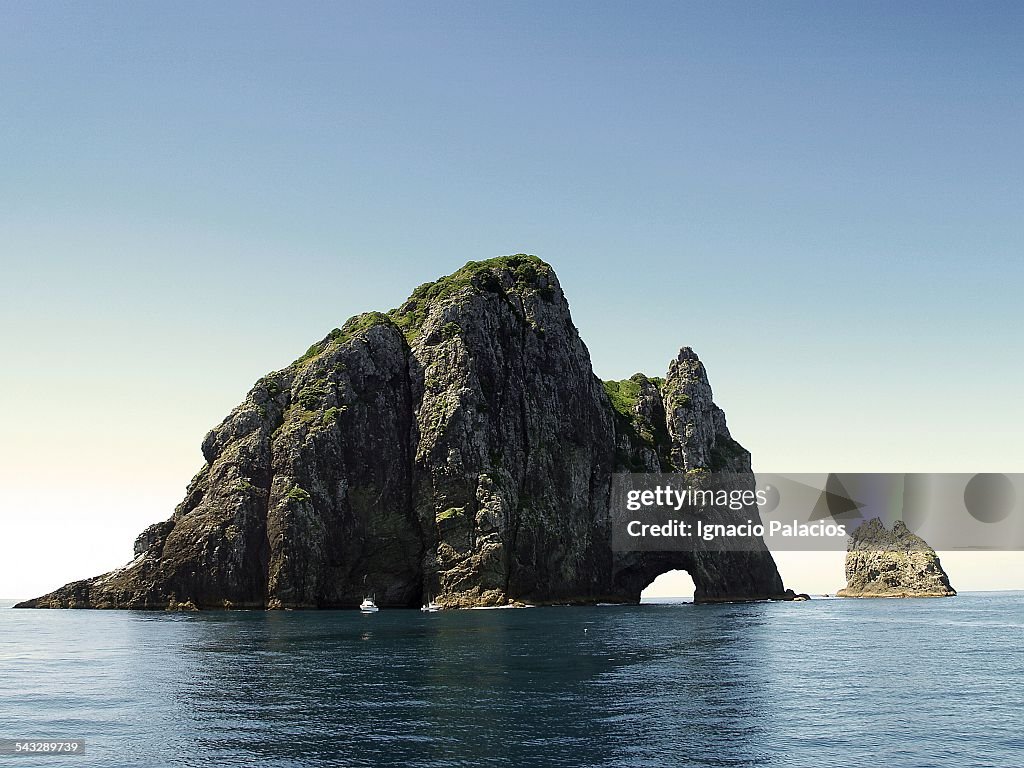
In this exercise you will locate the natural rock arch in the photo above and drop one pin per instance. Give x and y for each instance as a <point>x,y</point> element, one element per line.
<point>676,583</point>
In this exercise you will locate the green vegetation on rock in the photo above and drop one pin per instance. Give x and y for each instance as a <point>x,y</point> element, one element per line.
<point>332,414</point>
<point>298,494</point>
<point>623,395</point>
<point>679,401</point>
<point>312,397</point>
<point>357,325</point>
<point>352,328</point>
<point>482,275</point>
<point>450,514</point>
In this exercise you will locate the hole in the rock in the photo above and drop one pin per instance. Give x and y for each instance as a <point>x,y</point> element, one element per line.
<point>667,585</point>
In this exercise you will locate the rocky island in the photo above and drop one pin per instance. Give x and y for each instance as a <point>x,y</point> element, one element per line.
<point>896,563</point>
<point>459,446</point>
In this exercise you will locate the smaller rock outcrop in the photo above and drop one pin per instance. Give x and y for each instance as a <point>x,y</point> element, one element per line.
<point>896,563</point>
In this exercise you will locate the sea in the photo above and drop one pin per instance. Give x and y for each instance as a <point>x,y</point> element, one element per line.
<point>829,682</point>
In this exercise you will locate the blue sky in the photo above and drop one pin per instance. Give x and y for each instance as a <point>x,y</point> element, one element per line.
<point>824,200</point>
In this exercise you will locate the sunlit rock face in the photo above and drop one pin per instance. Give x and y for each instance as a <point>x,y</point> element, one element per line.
<point>896,563</point>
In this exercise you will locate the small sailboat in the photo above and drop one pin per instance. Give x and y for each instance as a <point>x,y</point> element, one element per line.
<point>368,606</point>
<point>430,606</point>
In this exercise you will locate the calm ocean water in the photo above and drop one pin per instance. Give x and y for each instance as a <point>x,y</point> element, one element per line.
<point>829,682</point>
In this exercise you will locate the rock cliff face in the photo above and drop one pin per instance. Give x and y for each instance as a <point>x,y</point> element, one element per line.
<point>896,563</point>
<point>459,446</point>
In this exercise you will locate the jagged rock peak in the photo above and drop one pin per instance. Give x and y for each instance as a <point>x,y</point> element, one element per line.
<point>896,563</point>
<point>699,434</point>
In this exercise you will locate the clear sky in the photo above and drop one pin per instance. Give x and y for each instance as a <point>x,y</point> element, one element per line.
<point>826,200</point>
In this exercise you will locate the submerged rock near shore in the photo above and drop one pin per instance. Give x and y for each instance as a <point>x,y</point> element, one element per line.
<point>459,446</point>
<point>896,563</point>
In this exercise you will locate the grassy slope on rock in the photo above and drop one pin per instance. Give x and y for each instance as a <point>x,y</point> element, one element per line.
<point>475,274</point>
<point>623,396</point>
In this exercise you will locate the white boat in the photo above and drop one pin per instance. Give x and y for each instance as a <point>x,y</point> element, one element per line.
<point>430,607</point>
<point>368,606</point>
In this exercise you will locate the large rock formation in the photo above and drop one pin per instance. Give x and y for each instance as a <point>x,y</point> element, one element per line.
<point>896,563</point>
<point>459,446</point>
